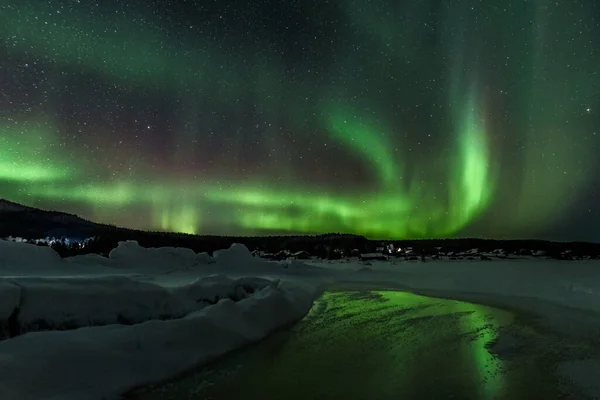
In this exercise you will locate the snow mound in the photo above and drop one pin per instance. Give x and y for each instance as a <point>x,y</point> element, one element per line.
<point>236,252</point>
<point>26,257</point>
<point>204,258</point>
<point>67,303</point>
<point>105,362</point>
<point>238,258</point>
<point>89,259</point>
<point>132,255</point>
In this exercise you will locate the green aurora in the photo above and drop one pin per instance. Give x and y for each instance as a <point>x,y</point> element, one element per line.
<point>417,137</point>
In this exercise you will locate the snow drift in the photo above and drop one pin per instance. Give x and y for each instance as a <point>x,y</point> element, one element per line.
<point>130,254</point>
<point>104,362</point>
<point>98,333</point>
<point>27,257</point>
<point>33,304</point>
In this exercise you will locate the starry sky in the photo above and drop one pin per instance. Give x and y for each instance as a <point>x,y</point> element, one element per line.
<point>389,119</point>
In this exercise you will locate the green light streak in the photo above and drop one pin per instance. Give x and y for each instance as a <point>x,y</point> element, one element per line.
<point>182,219</point>
<point>28,154</point>
<point>486,367</point>
<point>401,206</point>
<point>365,140</point>
<point>472,174</point>
<point>432,194</point>
<point>390,212</point>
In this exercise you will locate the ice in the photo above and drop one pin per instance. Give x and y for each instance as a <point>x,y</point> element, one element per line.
<point>185,308</point>
<point>584,374</point>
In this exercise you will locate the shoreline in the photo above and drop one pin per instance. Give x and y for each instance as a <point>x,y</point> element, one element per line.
<point>522,331</point>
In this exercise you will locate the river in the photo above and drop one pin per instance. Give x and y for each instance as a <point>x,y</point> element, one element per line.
<point>376,345</point>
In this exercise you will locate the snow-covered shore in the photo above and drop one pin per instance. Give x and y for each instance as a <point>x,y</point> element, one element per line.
<point>103,330</point>
<point>145,315</point>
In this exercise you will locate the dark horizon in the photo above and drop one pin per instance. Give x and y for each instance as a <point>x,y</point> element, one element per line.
<point>285,234</point>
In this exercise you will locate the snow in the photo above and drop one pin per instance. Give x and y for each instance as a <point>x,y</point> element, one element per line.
<point>81,301</point>
<point>131,255</point>
<point>11,297</point>
<point>372,255</point>
<point>23,256</point>
<point>103,362</point>
<point>145,315</point>
<point>204,258</point>
<point>235,252</point>
<point>131,330</point>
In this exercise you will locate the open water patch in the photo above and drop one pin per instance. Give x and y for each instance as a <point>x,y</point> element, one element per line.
<point>369,344</point>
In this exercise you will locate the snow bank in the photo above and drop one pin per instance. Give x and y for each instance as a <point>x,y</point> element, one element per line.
<point>132,255</point>
<point>238,257</point>
<point>131,332</point>
<point>104,362</point>
<point>131,259</point>
<point>87,260</point>
<point>204,258</point>
<point>19,259</point>
<point>68,303</point>
<point>235,252</point>
<point>11,298</point>
<point>26,257</point>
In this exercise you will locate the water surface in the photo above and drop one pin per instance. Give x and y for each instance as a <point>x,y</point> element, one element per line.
<point>374,345</point>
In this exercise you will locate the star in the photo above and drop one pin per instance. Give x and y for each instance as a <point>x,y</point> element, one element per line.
<point>263,118</point>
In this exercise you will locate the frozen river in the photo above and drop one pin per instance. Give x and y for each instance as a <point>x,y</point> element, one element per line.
<point>383,345</point>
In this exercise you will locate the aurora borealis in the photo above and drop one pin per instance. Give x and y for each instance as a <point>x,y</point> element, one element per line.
<point>389,119</point>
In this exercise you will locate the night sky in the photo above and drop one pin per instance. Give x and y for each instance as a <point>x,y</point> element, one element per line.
<point>389,119</point>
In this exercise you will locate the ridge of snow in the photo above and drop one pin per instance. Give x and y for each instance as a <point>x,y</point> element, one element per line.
<point>105,362</point>
<point>82,301</point>
<point>116,329</point>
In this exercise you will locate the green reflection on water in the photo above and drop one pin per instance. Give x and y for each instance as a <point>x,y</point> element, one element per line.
<point>409,338</point>
<point>372,345</point>
<point>483,326</point>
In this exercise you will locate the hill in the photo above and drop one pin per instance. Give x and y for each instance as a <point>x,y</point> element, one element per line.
<point>31,223</point>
